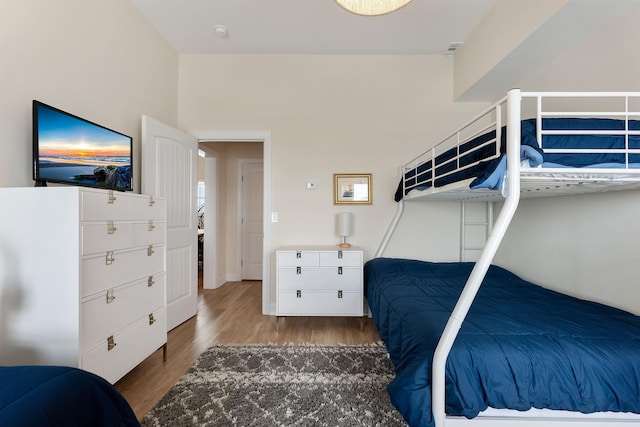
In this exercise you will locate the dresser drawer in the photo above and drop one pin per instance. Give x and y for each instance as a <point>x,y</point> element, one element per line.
<point>340,258</point>
<point>132,346</point>
<point>109,235</point>
<point>107,312</point>
<point>114,205</point>
<point>101,272</point>
<point>106,236</point>
<point>107,205</point>
<point>319,278</point>
<point>151,232</point>
<point>315,303</point>
<point>298,259</point>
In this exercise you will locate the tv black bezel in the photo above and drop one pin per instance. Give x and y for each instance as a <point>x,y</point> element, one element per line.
<point>39,181</point>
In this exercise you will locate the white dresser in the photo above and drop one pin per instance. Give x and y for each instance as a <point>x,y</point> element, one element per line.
<point>82,278</point>
<point>319,281</point>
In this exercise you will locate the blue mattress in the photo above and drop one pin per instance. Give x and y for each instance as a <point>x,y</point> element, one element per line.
<point>489,173</point>
<point>40,396</point>
<point>521,347</point>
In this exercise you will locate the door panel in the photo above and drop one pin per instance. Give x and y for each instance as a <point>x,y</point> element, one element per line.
<point>169,169</point>
<point>252,232</point>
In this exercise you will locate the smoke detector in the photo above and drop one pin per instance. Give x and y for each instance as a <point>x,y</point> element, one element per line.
<point>221,31</point>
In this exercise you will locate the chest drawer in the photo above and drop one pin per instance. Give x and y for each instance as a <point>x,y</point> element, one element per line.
<point>319,303</point>
<point>110,311</point>
<point>128,347</point>
<point>340,258</point>
<point>298,258</point>
<point>101,272</point>
<point>345,278</point>
<point>110,235</point>
<point>114,205</point>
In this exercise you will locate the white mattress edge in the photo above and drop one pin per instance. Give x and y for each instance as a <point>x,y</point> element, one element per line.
<point>550,413</point>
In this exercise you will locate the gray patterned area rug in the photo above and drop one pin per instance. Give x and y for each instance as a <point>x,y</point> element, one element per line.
<point>269,385</point>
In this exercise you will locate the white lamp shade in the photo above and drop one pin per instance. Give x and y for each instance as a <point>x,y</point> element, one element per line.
<point>344,224</point>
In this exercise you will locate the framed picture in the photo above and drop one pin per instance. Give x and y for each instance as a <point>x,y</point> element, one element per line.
<point>352,188</point>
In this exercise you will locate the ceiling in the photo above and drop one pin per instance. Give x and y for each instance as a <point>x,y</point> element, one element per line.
<point>311,26</point>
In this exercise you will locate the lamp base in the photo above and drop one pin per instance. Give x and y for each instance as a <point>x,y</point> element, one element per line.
<point>345,245</point>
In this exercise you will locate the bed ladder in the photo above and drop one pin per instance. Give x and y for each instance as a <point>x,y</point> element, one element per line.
<point>474,229</point>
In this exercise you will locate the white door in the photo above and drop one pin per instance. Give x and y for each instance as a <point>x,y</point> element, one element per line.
<point>170,170</point>
<point>252,233</point>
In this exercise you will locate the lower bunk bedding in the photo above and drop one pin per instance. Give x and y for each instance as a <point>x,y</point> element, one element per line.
<point>41,396</point>
<point>521,346</point>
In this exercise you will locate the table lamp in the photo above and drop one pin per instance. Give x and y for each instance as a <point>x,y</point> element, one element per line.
<point>344,227</point>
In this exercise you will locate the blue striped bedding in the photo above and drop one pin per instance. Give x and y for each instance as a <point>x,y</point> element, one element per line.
<point>489,173</point>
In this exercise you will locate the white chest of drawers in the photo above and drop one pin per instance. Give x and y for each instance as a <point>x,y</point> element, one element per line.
<point>86,268</point>
<point>319,281</point>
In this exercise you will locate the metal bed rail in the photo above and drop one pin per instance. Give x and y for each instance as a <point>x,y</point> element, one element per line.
<point>427,166</point>
<point>513,105</point>
<point>512,194</point>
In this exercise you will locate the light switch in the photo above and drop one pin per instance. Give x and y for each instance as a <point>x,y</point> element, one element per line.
<point>274,216</point>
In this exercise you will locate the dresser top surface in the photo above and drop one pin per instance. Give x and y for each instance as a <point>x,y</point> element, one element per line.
<point>318,248</point>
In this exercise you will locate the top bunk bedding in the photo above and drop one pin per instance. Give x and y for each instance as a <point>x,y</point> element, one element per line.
<point>579,147</point>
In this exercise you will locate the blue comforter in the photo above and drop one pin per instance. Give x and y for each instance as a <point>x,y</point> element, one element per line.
<point>41,396</point>
<point>522,346</point>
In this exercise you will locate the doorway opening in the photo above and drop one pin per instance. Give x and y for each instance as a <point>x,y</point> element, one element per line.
<point>225,156</point>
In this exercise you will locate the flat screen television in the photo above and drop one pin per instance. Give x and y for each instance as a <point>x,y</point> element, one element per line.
<point>70,150</point>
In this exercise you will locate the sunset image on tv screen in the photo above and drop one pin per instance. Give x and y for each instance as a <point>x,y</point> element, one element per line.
<point>74,150</point>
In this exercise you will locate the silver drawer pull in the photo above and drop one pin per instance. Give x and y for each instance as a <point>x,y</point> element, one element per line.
<point>150,281</point>
<point>109,258</point>
<point>110,296</point>
<point>298,294</point>
<point>152,320</point>
<point>111,197</point>
<point>339,270</point>
<point>150,250</point>
<point>111,227</point>
<point>298,254</point>
<point>151,227</point>
<point>111,343</point>
<point>151,201</point>
<point>339,294</point>
<point>340,254</point>
<point>298,270</point>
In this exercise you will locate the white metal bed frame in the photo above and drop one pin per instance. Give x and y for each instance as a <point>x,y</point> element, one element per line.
<point>520,182</point>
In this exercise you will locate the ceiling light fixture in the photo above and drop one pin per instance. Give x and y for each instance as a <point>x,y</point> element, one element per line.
<point>372,7</point>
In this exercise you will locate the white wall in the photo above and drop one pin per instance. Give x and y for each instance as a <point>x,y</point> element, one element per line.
<point>584,245</point>
<point>501,33</point>
<point>326,115</point>
<point>517,38</point>
<point>100,60</point>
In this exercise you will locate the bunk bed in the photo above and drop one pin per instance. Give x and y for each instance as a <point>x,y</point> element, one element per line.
<point>523,355</point>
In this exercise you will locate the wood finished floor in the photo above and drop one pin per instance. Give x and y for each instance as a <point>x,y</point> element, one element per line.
<point>231,314</point>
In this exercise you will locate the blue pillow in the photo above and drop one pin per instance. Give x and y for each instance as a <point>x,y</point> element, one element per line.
<point>529,153</point>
